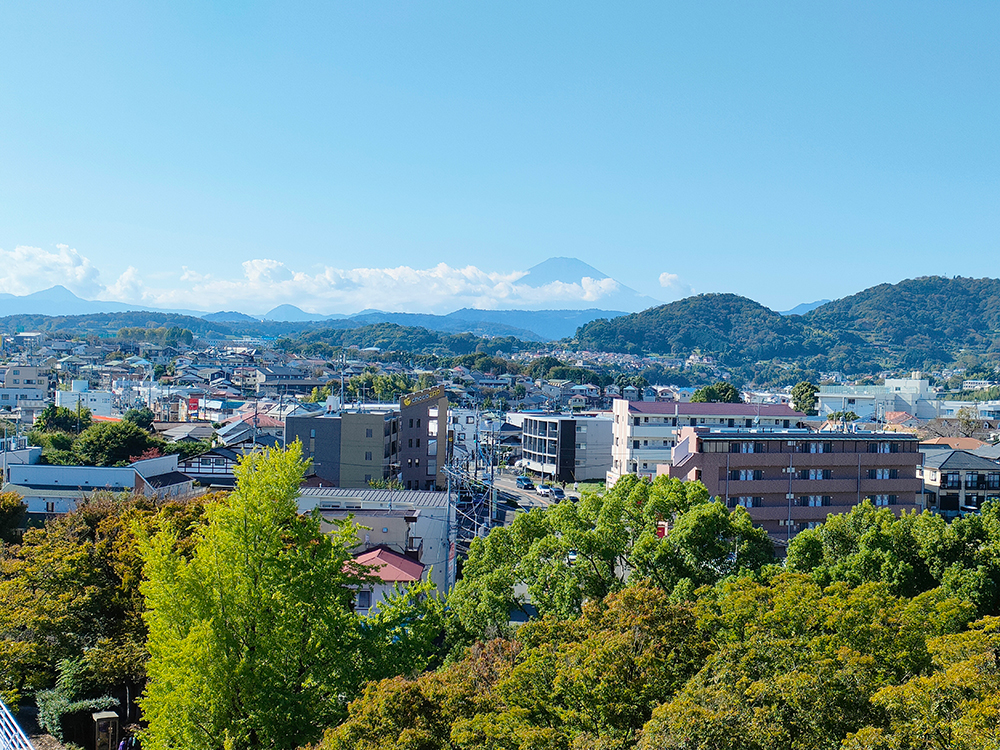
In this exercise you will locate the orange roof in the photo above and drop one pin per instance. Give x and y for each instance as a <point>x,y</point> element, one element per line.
<point>955,443</point>
<point>390,566</point>
<point>95,418</point>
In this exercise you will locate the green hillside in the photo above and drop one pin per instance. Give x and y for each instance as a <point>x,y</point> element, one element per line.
<point>916,323</point>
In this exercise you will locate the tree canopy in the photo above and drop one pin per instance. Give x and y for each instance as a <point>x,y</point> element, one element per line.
<point>720,392</point>
<point>251,634</point>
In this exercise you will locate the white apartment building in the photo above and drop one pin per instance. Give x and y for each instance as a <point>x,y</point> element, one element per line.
<point>100,403</point>
<point>870,402</point>
<point>645,432</point>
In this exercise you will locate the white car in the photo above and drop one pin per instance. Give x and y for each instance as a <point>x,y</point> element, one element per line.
<point>544,490</point>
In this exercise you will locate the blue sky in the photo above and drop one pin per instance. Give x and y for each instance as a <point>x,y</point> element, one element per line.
<point>220,156</point>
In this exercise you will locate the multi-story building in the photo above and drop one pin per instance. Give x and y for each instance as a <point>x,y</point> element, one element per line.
<point>792,479</point>
<point>423,452</point>
<point>432,530</point>
<point>349,448</point>
<point>958,481</point>
<point>100,403</point>
<point>913,395</point>
<point>24,386</point>
<point>566,448</point>
<point>644,432</point>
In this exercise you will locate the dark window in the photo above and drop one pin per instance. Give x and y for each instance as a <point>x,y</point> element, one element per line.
<point>364,600</point>
<point>368,455</point>
<point>368,432</point>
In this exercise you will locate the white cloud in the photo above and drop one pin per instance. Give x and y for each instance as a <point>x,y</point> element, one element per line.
<point>127,288</point>
<point>266,283</point>
<point>675,284</point>
<point>25,269</point>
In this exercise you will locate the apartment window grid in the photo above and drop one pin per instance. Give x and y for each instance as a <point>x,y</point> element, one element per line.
<point>884,500</point>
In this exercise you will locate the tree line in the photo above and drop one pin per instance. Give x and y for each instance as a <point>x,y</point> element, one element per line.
<point>651,617</point>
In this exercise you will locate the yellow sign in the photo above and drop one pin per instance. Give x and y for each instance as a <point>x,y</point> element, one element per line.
<point>420,396</point>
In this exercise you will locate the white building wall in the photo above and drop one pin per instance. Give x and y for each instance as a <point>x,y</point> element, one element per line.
<point>99,402</point>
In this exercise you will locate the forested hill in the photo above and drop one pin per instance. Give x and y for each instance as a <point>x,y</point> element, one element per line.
<point>931,310</point>
<point>734,328</point>
<point>914,323</point>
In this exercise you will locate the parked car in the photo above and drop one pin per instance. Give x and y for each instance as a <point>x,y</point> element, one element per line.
<point>523,483</point>
<point>544,490</point>
<point>557,494</point>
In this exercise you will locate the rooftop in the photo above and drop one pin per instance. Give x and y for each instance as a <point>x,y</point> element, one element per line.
<point>686,408</point>
<point>390,566</point>
<point>958,461</point>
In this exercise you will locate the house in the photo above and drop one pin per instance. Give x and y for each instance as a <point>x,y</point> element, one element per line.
<point>958,481</point>
<point>391,569</point>
<point>54,490</point>
<point>432,531</point>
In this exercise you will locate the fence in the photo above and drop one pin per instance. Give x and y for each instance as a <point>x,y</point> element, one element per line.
<point>11,735</point>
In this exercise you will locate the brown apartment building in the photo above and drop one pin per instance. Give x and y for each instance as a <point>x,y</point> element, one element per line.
<point>789,480</point>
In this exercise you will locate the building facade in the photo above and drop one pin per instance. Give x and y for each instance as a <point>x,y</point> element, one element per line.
<point>349,448</point>
<point>645,433</point>
<point>789,480</point>
<point>957,481</point>
<point>566,448</point>
<point>423,439</point>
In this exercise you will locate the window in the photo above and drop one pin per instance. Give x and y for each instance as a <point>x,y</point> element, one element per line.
<point>951,481</point>
<point>746,475</point>
<point>411,424</point>
<point>635,443</point>
<point>364,600</point>
<point>50,506</point>
<point>468,420</point>
<point>815,501</point>
<point>883,473</point>
<point>312,433</point>
<point>432,466</point>
<point>884,499</point>
<point>368,432</point>
<point>368,455</point>
<point>746,502</point>
<point>815,474</point>
<point>813,447</point>
<point>411,443</point>
<point>416,462</point>
<point>418,423</point>
<point>418,442</point>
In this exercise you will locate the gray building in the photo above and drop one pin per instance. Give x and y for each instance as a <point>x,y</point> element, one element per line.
<point>566,448</point>
<point>349,448</point>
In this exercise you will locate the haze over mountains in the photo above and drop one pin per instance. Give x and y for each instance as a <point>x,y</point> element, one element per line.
<point>914,323</point>
<point>561,287</point>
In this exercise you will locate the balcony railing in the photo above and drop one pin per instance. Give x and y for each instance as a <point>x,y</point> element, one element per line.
<point>12,737</point>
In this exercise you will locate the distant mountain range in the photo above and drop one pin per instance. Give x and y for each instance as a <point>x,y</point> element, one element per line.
<point>529,325</point>
<point>804,307</point>
<point>915,324</point>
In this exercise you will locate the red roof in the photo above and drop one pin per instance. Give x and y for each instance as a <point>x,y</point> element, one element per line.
<point>390,566</point>
<point>688,409</point>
